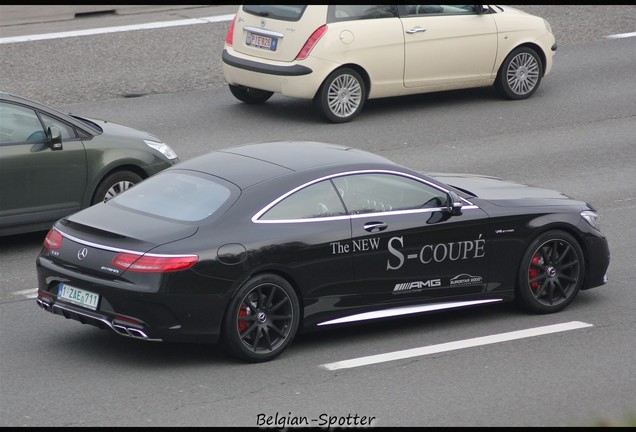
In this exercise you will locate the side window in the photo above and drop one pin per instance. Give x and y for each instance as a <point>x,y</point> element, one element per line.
<point>414,10</point>
<point>360,12</point>
<point>19,124</point>
<point>371,193</point>
<point>315,201</point>
<point>67,131</point>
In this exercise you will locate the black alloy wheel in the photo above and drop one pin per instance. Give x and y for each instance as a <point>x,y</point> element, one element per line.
<point>551,273</point>
<point>262,319</point>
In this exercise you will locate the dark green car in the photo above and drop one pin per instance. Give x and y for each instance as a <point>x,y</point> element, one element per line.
<point>53,164</point>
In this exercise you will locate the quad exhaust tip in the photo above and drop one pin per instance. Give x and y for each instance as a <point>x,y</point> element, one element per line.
<point>86,318</point>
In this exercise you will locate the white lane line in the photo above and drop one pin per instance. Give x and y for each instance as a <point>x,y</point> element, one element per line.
<point>28,293</point>
<point>88,32</point>
<point>450,346</point>
<point>622,35</point>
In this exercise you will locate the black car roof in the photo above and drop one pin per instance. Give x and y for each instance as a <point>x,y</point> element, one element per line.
<point>249,164</point>
<point>302,155</point>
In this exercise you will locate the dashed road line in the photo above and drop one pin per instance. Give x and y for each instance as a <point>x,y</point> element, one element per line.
<point>28,293</point>
<point>451,346</point>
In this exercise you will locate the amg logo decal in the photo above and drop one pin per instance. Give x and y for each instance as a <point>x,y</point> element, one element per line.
<point>108,269</point>
<point>417,285</point>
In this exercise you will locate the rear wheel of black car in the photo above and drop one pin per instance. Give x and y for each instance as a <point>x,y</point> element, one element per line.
<point>262,319</point>
<point>520,74</point>
<point>341,96</point>
<point>115,184</point>
<point>551,273</point>
<point>250,95</point>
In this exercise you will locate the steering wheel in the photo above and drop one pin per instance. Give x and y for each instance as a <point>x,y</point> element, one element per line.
<point>322,209</point>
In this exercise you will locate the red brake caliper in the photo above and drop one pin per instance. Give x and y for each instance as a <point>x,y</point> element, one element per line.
<point>533,272</point>
<point>242,324</point>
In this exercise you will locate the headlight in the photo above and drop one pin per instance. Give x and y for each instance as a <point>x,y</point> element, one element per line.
<point>592,218</point>
<point>163,148</point>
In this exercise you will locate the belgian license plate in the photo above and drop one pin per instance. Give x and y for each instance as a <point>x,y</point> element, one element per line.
<point>78,296</point>
<point>260,41</point>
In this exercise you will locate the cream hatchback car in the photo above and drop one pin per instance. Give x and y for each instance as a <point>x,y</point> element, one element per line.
<point>341,55</point>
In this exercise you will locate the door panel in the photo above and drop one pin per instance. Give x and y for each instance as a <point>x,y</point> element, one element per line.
<point>448,48</point>
<point>36,181</point>
<point>421,256</point>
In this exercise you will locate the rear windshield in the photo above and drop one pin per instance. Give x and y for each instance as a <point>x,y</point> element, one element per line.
<point>280,12</point>
<point>179,195</point>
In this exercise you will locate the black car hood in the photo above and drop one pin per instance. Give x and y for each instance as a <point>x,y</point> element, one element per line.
<point>118,130</point>
<point>502,192</point>
<point>119,226</point>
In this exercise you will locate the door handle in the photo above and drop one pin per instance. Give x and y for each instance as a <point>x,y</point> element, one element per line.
<point>417,29</point>
<point>375,226</point>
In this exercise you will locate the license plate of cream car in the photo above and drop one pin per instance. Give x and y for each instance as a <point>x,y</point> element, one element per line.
<point>78,296</point>
<point>260,41</point>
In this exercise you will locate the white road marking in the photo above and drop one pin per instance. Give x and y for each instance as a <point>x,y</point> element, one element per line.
<point>102,30</point>
<point>450,346</point>
<point>156,25</point>
<point>622,35</point>
<point>28,293</point>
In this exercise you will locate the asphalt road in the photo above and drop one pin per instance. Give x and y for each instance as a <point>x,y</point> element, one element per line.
<point>576,134</point>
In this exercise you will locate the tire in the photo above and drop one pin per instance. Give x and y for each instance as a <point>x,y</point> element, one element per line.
<point>262,319</point>
<point>520,74</point>
<point>250,95</point>
<point>115,184</point>
<point>551,273</point>
<point>341,96</point>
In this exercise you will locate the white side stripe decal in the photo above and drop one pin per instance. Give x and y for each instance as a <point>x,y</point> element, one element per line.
<point>405,310</point>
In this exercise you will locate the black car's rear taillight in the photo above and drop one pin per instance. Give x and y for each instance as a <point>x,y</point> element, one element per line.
<point>53,239</point>
<point>153,263</point>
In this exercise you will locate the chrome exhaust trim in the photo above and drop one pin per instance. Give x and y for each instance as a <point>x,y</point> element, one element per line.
<point>117,328</point>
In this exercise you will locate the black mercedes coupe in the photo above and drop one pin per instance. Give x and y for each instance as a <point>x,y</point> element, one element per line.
<point>249,245</point>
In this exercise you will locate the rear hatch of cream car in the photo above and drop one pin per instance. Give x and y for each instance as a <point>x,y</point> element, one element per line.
<point>276,32</point>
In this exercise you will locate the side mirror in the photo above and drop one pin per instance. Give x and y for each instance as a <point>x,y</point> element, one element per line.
<point>54,136</point>
<point>454,204</point>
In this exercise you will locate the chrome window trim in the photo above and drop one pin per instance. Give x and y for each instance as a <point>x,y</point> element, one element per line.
<point>260,213</point>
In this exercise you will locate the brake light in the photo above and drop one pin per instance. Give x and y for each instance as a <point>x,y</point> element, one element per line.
<point>229,36</point>
<point>311,42</point>
<point>53,239</point>
<point>154,263</point>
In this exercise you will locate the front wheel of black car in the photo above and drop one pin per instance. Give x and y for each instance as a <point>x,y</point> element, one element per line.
<point>250,95</point>
<point>262,319</point>
<point>551,273</point>
<point>341,96</point>
<point>520,74</point>
<point>115,184</point>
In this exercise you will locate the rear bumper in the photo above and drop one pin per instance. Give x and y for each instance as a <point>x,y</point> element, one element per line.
<point>193,314</point>
<point>124,328</point>
<point>269,69</point>
<point>289,79</point>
